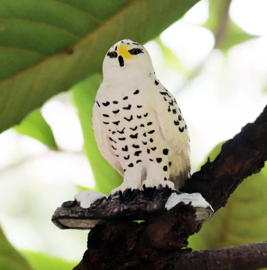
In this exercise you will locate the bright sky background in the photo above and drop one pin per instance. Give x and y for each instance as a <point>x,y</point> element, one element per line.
<point>226,95</point>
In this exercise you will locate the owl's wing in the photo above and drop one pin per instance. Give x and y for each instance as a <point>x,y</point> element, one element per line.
<point>103,142</point>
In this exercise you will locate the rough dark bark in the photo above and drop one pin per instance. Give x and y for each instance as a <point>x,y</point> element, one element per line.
<point>158,244</point>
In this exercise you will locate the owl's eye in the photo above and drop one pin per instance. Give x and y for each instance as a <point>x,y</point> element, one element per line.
<point>112,54</point>
<point>135,51</point>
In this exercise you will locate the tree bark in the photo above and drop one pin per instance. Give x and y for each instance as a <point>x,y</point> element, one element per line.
<point>158,244</point>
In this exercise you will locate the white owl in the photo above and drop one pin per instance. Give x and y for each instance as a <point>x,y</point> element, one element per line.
<point>138,125</point>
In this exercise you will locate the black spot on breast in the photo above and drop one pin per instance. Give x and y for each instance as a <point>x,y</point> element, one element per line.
<point>121,131</point>
<point>136,92</point>
<point>117,155</point>
<point>171,103</point>
<point>144,134</point>
<point>181,129</point>
<point>125,98</point>
<point>165,168</point>
<point>133,129</point>
<point>165,178</point>
<point>105,115</point>
<point>156,82</point>
<point>113,147</point>
<point>139,116</point>
<point>151,140</point>
<point>151,159</point>
<point>153,148</point>
<point>126,158</point>
<point>144,143</point>
<point>142,125</point>
<point>106,123</point>
<point>105,103</point>
<point>170,164</point>
<point>180,117</point>
<point>134,136</point>
<point>149,123</point>
<point>169,109</point>
<point>130,165</point>
<point>97,103</point>
<point>113,132</point>
<point>139,160</point>
<point>128,107</point>
<point>125,149</point>
<point>135,146</point>
<point>129,119</point>
<point>176,123</point>
<point>115,102</point>
<point>174,111</point>
<point>122,139</point>
<point>145,115</point>
<point>116,111</point>
<point>116,123</point>
<point>148,151</point>
<point>165,151</point>
<point>137,153</point>
<point>112,140</point>
<point>165,99</point>
<point>151,131</point>
<point>124,170</point>
<point>158,160</point>
<point>139,106</point>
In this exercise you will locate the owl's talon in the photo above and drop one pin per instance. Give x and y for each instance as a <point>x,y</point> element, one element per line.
<point>150,192</point>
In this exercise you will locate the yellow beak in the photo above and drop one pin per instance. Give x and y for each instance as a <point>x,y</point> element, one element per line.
<point>122,49</point>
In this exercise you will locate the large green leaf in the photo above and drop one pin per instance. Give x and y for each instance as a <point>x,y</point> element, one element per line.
<point>48,46</point>
<point>41,261</point>
<point>242,221</point>
<point>35,126</point>
<point>227,32</point>
<point>106,177</point>
<point>10,259</point>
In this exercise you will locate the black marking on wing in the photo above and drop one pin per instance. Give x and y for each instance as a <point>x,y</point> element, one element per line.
<point>176,122</point>
<point>151,131</point>
<point>144,143</point>
<point>106,103</point>
<point>139,106</point>
<point>125,98</point>
<point>128,107</point>
<point>125,149</point>
<point>129,119</point>
<point>135,146</point>
<point>113,147</point>
<point>116,123</point>
<point>126,158</point>
<point>106,123</point>
<point>139,116</point>
<point>135,136</point>
<point>116,111</point>
<point>151,140</point>
<point>145,115</point>
<point>105,115</point>
<point>139,160</point>
<point>153,148</point>
<point>130,165</point>
<point>180,117</point>
<point>158,160</point>
<point>174,111</point>
<point>134,129</point>
<point>112,140</point>
<point>122,139</point>
<point>142,125</point>
<point>137,153</point>
<point>181,129</point>
<point>97,103</point>
<point>149,123</point>
<point>136,92</point>
<point>122,131</point>
<point>115,102</point>
<point>165,151</point>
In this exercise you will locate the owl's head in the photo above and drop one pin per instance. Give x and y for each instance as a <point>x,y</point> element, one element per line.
<point>127,57</point>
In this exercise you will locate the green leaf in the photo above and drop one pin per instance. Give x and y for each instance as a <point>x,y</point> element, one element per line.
<point>242,221</point>
<point>41,261</point>
<point>48,46</point>
<point>106,177</point>
<point>227,33</point>
<point>10,259</point>
<point>35,126</point>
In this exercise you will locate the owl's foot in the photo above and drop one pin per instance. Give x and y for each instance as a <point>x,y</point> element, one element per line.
<point>124,186</point>
<point>155,183</point>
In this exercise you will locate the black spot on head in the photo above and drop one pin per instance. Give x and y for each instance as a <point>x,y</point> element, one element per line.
<point>129,119</point>
<point>116,48</point>
<point>130,165</point>
<point>156,82</point>
<point>165,151</point>
<point>128,107</point>
<point>125,98</point>
<point>105,103</point>
<point>174,111</point>
<point>97,103</point>
<point>176,123</point>
<point>158,160</point>
<point>106,123</point>
<point>134,136</point>
<point>116,123</point>
<point>181,129</point>
<point>165,168</point>
<point>136,92</point>
<point>105,115</point>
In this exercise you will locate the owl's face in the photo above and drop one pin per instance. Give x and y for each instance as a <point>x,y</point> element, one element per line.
<point>127,56</point>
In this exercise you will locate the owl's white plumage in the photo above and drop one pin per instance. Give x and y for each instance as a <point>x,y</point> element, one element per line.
<point>138,125</point>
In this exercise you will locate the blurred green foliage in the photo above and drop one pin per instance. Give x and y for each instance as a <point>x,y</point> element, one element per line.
<point>47,47</point>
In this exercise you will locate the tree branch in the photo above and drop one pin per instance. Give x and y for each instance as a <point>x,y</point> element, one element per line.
<point>158,244</point>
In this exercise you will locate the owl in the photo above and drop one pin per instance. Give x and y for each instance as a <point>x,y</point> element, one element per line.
<point>138,125</point>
